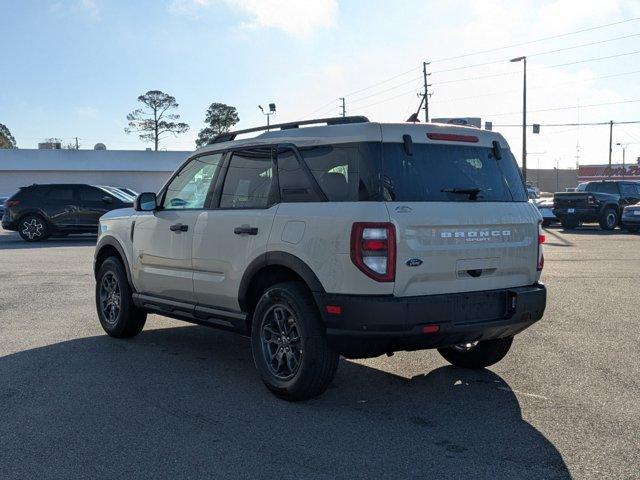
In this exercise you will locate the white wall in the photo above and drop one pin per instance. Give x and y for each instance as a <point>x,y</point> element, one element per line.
<point>137,169</point>
<point>11,180</point>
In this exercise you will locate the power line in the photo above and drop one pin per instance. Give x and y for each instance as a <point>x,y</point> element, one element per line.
<point>578,124</point>
<point>546,85</point>
<point>479,52</point>
<point>563,108</point>
<point>538,54</point>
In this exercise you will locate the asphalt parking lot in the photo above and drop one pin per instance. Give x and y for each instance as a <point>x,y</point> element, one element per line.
<point>182,401</point>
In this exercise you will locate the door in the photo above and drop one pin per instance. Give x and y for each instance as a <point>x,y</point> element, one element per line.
<point>61,204</point>
<point>236,229</point>
<point>162,240</point>
<point>94,202</point>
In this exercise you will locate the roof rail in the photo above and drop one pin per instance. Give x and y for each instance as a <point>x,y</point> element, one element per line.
<point>228,136</point>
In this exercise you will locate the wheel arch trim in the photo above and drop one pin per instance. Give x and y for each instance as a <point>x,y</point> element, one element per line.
<point>281,259</point>
<point>109,241</point>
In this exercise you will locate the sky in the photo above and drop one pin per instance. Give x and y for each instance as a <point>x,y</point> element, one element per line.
<point>74,68</point>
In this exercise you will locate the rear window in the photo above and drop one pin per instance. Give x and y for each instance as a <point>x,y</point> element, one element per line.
<point>450,173</point>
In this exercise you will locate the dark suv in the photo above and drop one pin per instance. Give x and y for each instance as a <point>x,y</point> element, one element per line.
<point>39,211</point>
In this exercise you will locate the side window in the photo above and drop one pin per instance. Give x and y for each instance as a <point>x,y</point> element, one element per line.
<point>335,169</point>
<point>608,187</point>
<point>628,190</point>
<point>247,183</point>
<point>189,188</point>
<point>294,183</point>
<point>61,194</point>
<point>91,194</point>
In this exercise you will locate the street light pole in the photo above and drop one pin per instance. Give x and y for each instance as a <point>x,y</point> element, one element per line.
<point>624,149</point>
<point>524,116</point>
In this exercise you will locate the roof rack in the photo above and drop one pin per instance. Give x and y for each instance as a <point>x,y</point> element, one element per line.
<point>228,136</point>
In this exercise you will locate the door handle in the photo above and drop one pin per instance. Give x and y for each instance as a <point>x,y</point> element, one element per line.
<point>179,227</point>
<point>245,230</point>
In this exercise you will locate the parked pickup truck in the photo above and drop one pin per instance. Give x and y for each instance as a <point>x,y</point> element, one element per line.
<point>600,202</point>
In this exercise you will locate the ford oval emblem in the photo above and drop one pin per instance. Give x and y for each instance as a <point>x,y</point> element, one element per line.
<point>413,262</point>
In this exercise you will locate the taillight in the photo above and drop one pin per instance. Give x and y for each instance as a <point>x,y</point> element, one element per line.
<point>373,250</point>
<point>11,203</point>
<point>541,239</point>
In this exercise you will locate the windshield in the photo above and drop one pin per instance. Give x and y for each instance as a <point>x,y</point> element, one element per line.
<point>450,173</point>
<point>119,194</point>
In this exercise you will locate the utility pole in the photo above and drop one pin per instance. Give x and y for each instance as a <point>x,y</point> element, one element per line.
<point>344,111</point>
<point>624,149</point>
<point>426,90</point>
<point>610,140</point>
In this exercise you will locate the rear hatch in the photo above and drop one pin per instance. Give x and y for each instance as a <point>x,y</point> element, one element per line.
<point>571,200</point>
<point>462,218</point>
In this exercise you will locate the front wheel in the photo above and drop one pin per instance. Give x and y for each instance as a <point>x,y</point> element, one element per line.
<point>568,224</point>
<point>119,317</point>
<point>289,344</point>
<point>477,354</point>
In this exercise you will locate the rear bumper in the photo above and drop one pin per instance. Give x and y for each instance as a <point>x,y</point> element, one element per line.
<point>9,225</point>
<point>372,325</point>
<point>631,220</point>
<point>582,214</point>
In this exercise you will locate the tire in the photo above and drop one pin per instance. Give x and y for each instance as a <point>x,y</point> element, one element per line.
<point>609,219</point>
<point>569,224</point>
<point>481,355</point>
<point>33,228</point>
<point>284,313</point>
<point>119,317</point>
<point>546,223</point>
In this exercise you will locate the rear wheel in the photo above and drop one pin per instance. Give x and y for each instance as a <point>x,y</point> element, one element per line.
<point>609,219</point>
<point>33,228</point>
<point>289,344</point>
<point>568,224</point>
<point>477,354</point>
<point>118,315</point>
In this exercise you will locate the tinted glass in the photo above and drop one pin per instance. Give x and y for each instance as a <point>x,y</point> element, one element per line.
<point>347,172</point>
<point>90,194</point>
<point>247,183</point>
<point>450,173</point>
<point>607,187</point>
<point>628,190</point>
<point>60,194</point>
<point>189,188</point>
<point>294,182</point>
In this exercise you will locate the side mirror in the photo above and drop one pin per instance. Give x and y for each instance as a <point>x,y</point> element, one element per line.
<point>145,202</point>
<point>107,199</point>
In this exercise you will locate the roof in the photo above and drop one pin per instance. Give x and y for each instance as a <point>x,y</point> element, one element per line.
<point>360,132</point>
<point>92,160</point>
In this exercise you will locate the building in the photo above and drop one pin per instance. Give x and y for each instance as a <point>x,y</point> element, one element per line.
<point>552,179</point>
<point>136,169</point>
<point>604,172</point>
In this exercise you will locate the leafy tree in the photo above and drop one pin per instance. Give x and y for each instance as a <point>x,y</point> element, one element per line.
<point>6,139</point>
<point>155,120</point>
<point>219,119</point>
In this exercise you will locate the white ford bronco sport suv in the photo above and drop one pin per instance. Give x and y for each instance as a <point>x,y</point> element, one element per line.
<point>345,237</point>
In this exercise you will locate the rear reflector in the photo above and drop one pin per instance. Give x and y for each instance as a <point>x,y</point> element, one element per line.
<point>451,137</point>
<point>333,309</point>
<point>431,328</point>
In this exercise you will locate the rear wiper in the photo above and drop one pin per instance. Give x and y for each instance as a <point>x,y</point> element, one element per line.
<point>472,192</point>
